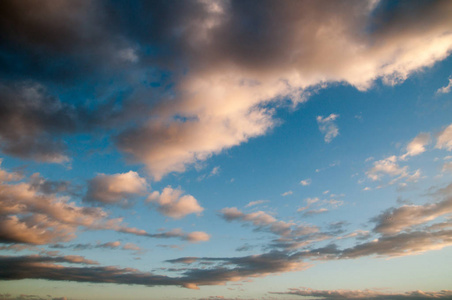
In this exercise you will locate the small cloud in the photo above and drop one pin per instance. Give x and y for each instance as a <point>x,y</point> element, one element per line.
<point>215,171</point>
<point>315,212</point>
<point>417,145</point>
<point>447,167</point>
<point>305,182</point>
<point>128,55</point>
<point>328,127</point>
<point>287,193</point>
<point>386,166</point>
<point>444,139</point>
<point>445,89</point>
<point>252,203</point>
<point>367,188</point>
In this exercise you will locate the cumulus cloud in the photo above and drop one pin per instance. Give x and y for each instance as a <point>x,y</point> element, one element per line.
<point>328,127</point>
<point>445,89</point>
<point>116,188</point>
<point>172,203</point>
<point>225,77</point>
<point>365,294</point>
<point>227,100</point>
<point>28,215</point>
<point>444,139</point>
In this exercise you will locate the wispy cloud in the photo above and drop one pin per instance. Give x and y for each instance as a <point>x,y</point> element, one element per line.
<point>328,127</point>
<point>253,203</point>
<point>306,182</point>
<point>445,89</point>
<point>365,294</point>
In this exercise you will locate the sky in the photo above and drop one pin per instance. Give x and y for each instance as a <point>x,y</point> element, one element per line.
<point>225,149</point>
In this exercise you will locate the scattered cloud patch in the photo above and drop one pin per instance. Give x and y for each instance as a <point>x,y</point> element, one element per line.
<point>328,127</point>
<point>306,182</point>
<point>417,145</point>
<point>445,89</point>
<point>253,203</point>
<point>444,139</point>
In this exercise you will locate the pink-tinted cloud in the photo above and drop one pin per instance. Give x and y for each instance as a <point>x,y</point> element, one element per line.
<point>172,203</point>
<point>116,188</point>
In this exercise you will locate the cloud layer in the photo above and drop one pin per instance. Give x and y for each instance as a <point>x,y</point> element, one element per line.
<point>227,62</point>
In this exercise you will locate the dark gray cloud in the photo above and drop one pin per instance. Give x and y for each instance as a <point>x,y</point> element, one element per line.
<point>32,122</point>
<point>22,267</point>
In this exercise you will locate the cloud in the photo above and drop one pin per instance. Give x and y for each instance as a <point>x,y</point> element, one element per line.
<point>171,203</point>
<point>314,212</point>
<point>305,182</point>
<point>29,297</point>
<point>49,187</point>
<point>32,122</point>
<point>8,176</point>
<point>225,269</point>
<point>328,127</point>
<point>395,220</point>
<point>417,145</point>
<point>193,237</point>
<point>227,80</point>
<point>228,100</point>
<point>116,188</point>
<point>445,89</point>
<point>444,139</point>
<point>288,193</point>
<point>253,203</point>
<point>447,166</point>
<point>402,244</point>
<point>290,235</point>
<point>365,294</point>
<point>387,166</point>
<point>27,215</point>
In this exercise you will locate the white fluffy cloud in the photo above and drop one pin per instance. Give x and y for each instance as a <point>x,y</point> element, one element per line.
<point>172,203</point>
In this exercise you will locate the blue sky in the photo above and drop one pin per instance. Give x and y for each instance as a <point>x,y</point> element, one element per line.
<point>225,150</point>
